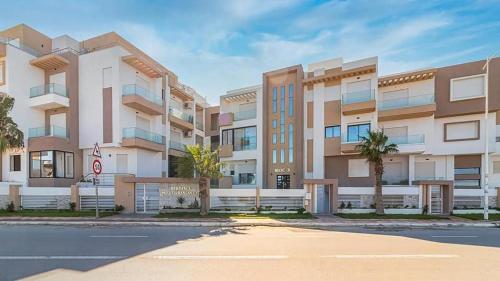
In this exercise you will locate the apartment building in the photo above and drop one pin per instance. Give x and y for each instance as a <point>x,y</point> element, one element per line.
<point>72,94</point>
<point>312,121</point>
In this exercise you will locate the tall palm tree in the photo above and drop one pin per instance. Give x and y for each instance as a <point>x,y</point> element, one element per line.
<point>10,136</point>
<point>203,162</point>
<point>374,147</point>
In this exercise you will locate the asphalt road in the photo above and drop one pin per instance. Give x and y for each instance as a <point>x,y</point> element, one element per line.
<point>258,253</point>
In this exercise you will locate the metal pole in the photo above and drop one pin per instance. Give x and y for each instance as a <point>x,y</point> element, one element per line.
<point>96,198</point>
<point>486,144</point>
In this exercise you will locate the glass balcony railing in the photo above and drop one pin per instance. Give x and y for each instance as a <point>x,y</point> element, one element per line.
<point>410,139</point>
<point>142,134</point>
<point>177,145</point>
<point>16,43</point>
<point>51,131</point>
<point>135,90</point>
<point>245,115</point>
<point>406,102</point>
<point>51,88</point>
<point>181,115</point>
<point>359,96</point>
<point>199,126</point>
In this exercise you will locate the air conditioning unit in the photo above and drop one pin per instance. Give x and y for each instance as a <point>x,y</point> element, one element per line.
<point>188,134</point>
<point>188,105</point>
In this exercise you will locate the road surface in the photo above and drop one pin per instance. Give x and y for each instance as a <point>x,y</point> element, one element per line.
<point>250,253</point>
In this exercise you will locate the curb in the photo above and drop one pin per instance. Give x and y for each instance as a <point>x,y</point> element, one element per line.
<point>250,224</point>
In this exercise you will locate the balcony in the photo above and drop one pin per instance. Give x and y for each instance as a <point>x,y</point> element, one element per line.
<point>50,131</point>
<point>358,102</point>
<point>404,108</point>
<point>181,120</point>
<point>142,99</point>
<point>226,150</point>
<point>409,143</point>
<point>49,96</point>
<point>199,126</point>
<point>177,146</point>
<point>245,115</point>
<point>139,138</point>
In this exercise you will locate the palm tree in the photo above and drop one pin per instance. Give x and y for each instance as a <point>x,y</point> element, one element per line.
<point>10,136</point>
<point>203,162</point>
<point>374,147</point>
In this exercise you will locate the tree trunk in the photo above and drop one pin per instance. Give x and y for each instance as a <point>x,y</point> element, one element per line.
<point>379,201</point>
<point>204,184</point>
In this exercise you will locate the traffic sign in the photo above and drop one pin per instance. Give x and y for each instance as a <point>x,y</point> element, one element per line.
<point>97,151</point>
<point>97,167</point>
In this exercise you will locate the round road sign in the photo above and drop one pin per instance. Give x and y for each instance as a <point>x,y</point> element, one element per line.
<point>97,167</point>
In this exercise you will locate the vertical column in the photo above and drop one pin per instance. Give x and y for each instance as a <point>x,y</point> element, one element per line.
<point>125,194</point>
<point>75,196</point>
<point>14,195</point>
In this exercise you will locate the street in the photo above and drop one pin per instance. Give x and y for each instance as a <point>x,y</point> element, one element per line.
<point>247,253</point>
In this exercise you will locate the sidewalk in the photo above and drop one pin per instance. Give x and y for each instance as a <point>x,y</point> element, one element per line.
<point>322,221</point>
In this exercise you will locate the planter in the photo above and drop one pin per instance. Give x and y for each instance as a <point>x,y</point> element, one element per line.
<point>179,210</point>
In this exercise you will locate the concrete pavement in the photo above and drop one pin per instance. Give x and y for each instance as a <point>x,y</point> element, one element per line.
<point>248,253</point>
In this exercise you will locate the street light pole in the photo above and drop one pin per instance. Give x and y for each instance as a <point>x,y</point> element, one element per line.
<point>486,142</point>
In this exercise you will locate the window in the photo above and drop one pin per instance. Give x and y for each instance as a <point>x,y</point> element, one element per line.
<point>467,171</point>
<point>425,170</point>
<point>282,156</point>
<point>282,101</point>
<point>51,164</point>
<point>356,132</point>
<point>467,183</point>
<point>282,133</point>
<point>496,167</point>
<point>275,100</point>
<point>122,163</point>
<point>358,168</point>
<point>290,100</point>
<point>274,156</point>
<point>274,138</point>
<point>15,163</point>
<point>275,123</point>
<point>246,178</point>
<point>461,131</point>
<point>332,131</point>
<point>467,87</point>
<point>241,138</point>
<point>290,143</point>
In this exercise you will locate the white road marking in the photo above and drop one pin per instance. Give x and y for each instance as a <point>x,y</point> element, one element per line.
<point>455,236</point>
<point>220,257</point>
<point>118,236</point>
<point>61,257</point>
<point>393,256</point>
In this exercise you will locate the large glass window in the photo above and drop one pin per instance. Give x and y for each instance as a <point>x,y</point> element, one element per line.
<point>51,164</point>
<point>356,132</point>
<point>290,143</point>
<point>282,133</point>
<point>274,123</point>
<point>274,138</point>
<point>282,156</point>
<point>246,178</point>
<point>282,99</point>
<point>274,156</point>
<point>291,102</point>
<point>241,138</point>
<point>275,100</point>
<point>332,131</point>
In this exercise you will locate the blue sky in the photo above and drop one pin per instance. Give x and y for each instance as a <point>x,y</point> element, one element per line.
<point>216,45</point>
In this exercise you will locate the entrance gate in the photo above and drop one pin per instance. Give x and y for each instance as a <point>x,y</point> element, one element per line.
<point>147,198</point>
<point>436,200</point>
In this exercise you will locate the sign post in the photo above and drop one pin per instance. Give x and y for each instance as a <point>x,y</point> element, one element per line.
<point>97,169</point>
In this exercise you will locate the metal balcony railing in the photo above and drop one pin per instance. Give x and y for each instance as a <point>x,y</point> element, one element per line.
<point>50,131</point>
<point>51,88</point>
<point>134,132</point>
<point>136,90</point>
<point>406,102</point>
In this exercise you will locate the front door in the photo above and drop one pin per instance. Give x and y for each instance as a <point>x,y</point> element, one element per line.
<point>283,181</point>
<point>147,198</point>
<point>436,200</point>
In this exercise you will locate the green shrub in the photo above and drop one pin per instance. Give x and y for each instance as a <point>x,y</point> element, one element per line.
<point>194,205</point>
<point>349,205</point>
<point>11,207</point>
<point>119,208</point>
<point>72,206</point>
<point>301,210</point>
<point>342,205</point>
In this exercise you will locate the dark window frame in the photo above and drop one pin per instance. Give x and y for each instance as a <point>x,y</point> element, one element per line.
<point>333,131</point>
<point>12,166</point>
<point>54,165</point>
<point>232,136</point>
<point>357,125</point>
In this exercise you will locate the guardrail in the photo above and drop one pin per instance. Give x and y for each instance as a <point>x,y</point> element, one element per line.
<point>46,89</point>
<point>359,96</point>
<point>133,89</point>
<point>406,102</point>
<point>134,132</point>
<point>51,131</point>
<point>181,115</point>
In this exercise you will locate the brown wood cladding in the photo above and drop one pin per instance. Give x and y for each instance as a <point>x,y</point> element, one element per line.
<point>310,114</point>
<point>107,115</point>
<point>447,108</point>
<point>310,156</point>
<point>337,167</point>
<point>332,113</point>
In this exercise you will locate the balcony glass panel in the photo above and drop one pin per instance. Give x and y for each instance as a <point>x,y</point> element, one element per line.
<point>136,90</point>
<point>177,145</point>
<point>410,139</point>
<point>181,115</point>
<point>142,134</point>
<point>406,102</point>
<point>358,96</point>
<point>48,89</point>
<point>51,131</point>
<point>245,115</point>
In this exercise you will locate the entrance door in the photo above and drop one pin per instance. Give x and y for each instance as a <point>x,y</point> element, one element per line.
<point>436,200</point>
<point>147,198</point>
<point>283,181</point>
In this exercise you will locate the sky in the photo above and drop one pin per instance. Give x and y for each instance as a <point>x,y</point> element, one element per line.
<point>219,45</point>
